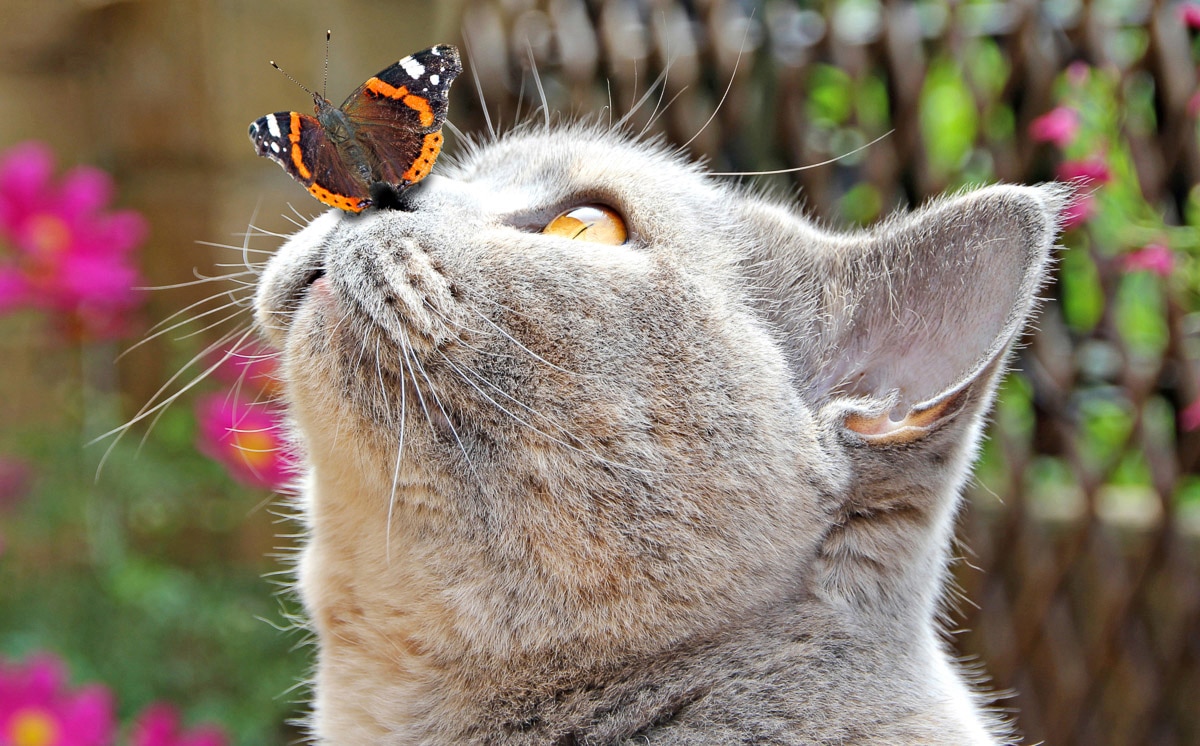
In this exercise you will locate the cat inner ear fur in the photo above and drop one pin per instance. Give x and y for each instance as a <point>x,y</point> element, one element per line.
<point>896,326</point>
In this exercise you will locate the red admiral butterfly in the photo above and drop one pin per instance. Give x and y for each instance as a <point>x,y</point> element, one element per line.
<point>387,132</point>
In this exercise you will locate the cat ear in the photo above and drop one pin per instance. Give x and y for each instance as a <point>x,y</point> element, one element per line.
<point>902,328</point>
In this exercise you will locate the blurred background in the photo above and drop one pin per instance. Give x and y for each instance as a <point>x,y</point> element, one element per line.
<point>139,601</point>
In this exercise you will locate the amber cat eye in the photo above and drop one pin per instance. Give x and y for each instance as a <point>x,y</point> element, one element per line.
<point>594,223</point>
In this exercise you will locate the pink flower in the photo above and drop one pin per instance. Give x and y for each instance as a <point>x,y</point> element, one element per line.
<point>158,725</point>
<point>1189,13</point>
<point>1078,72</point>
<point>1189,418</point>
<point>64,253</point>
<point>246,438</point>
<point>15,477</point>
<point>1153,257</point>
<point>1078,211</point>
<point>36,708</point>
<point>1088,172</point>
<point>1193,105</point>
<point>1058,126</point>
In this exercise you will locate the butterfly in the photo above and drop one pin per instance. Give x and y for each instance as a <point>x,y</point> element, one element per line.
<point>385,134</point>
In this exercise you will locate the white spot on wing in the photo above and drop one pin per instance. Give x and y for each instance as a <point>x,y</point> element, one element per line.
<point>275,146</point>
<point>412,67</point>
<point>273,126</point>
<point>435,78</point>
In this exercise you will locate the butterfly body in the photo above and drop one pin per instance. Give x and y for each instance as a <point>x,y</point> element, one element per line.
<point>388,131</point>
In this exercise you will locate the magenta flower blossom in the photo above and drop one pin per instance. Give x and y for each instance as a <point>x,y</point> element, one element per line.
<point>15,478</point>
<point>159,725</point>
<point>61,251</point>
<point>1189,418</point>
<point>1078,211</point>
<point>1189,13</point>
<point>1154,257</point>
<point>1088,172</point>
<point>37,709</point>
<point>1078,72</point>
<point>246,438</point>
<point>1057,126</point>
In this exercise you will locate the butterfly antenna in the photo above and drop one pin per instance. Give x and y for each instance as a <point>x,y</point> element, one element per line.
<point>289,77</point>
<point>325,82</point>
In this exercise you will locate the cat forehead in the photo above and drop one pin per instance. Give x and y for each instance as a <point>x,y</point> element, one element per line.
<point>579,156</point>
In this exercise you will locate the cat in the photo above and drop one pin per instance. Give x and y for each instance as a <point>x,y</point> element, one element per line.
<point>601,449</point>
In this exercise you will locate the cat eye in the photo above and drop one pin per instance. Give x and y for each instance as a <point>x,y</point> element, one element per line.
<point>593,223</point>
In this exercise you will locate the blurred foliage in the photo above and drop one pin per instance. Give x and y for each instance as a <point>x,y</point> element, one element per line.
<point>149,577</point>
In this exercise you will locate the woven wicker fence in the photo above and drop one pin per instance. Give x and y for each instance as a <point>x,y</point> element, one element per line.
<point>1084,603</point>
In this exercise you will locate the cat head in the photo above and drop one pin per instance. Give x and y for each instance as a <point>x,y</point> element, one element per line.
<point>630,401</point>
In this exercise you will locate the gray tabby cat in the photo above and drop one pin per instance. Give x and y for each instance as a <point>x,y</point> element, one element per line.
<point>682,470</point>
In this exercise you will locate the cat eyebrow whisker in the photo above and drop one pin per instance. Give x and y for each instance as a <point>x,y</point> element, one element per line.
<point>806,167</point>
<point>657,115</point>
<point>662,91</point>
<point>732,77</point>
<point>537,79</point>
<point>487,117</point>
<point>658,83</point>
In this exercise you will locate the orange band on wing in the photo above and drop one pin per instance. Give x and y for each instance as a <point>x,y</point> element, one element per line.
<point>430,147</point>
<point>380,88</point>
<point>416,103</point>
<point>342,202</point>
<point>297,155</point>
<point>421,106</point>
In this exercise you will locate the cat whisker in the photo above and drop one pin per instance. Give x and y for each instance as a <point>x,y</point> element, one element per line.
<point>257,232</point>
<point>466,372</point>
<point>387,541</point>
<point>242,304</point>
<point>445,415</point>
<point>806,167</point>
<point>232,277</point>
<point>451,322</point>
<point>300,221</point>
<point>487,117</point>
<point>728,87</point>
<point>514,340</point>
<point>552,438</point>
<point>537,79</point>
<point>156,404</point>
<point>239,248</point>
<point>158,330</point>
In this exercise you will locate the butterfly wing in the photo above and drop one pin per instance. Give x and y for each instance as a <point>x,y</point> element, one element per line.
<point>298,143</point>
<point>398,114</point>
